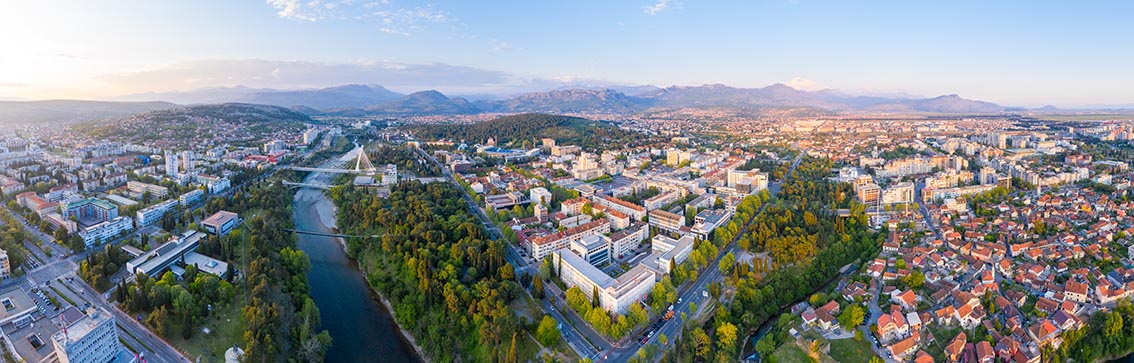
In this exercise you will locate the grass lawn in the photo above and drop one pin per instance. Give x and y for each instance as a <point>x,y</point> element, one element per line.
<point>791,353</point>
<point>226,327</point>
<point>851,350</point>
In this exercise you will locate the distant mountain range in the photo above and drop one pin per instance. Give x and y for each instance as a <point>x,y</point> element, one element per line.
<point>363,100</point>
<point>354,100</point>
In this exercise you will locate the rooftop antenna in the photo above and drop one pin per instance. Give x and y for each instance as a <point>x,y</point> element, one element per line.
<point>66,336</point>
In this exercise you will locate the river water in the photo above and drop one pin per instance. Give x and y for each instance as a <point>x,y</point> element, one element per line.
<point>362,329</point>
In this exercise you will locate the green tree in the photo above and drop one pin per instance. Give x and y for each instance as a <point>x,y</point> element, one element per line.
<point>548,332</point>
<point>1113,326</point>
<point>766,345</point>
<point>727,263</point>
<point>852,316</point>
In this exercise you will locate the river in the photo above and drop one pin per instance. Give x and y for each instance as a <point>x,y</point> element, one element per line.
<point>362,328</point>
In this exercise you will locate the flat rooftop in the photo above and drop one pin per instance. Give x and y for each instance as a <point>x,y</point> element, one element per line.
<point>119,200</point>
<point>206,263</point>
<point>15,303</point>
<point>219,218</point>
<point>601,279</point>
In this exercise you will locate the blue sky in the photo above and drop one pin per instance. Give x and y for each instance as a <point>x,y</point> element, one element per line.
<point>1026,53</point>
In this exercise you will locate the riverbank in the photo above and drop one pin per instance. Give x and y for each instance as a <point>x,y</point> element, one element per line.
<point>328,218</point>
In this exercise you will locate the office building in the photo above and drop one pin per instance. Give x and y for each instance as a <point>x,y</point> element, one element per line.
<point>615,294</point>
<point>152,214</point>
<point>595,249</point>
<point>106,231</point>
<point>506,201</point>
<point>221,223</point>
<point>92,338</point>
<point>708,220</point>
<point>665,251</point>
<point>190,197</point>
<point>165,256</point>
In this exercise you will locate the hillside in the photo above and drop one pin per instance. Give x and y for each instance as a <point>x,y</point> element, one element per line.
<point>573,101</point>
<point>525,131</point>
<point>349,96</point>
<point>424,102</point>
<point>71,111</point>
<point>229,122</point>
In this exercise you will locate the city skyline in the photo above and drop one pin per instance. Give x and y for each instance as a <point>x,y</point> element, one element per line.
<point>1012,53</point>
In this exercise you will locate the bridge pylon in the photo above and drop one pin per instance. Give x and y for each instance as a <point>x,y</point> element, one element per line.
<point>362,164</point>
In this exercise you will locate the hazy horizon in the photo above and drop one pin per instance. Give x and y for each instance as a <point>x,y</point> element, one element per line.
<point>1026,54</point>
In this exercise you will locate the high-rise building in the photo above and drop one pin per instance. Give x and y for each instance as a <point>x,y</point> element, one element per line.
<point>171,163</point>
<point>187,161</point>
<point>90,339</point>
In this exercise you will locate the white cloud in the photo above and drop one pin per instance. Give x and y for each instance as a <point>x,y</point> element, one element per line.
<point>661,6</point>
<point>804,84</point>
<point>403,21</point>
<point>501,46</point>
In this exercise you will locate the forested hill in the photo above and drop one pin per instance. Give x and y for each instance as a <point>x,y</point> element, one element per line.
<point>525,131</point>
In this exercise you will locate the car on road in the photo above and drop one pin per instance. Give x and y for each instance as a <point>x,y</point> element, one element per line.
<point>704,293</point>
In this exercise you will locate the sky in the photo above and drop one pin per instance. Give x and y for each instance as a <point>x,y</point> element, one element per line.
<point>1016,53</point>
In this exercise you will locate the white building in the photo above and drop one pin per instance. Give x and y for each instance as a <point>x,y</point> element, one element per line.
<point>898,193</point>
<point>106,231</point>
<point>153,213</point>
<point>274,146</point>
<point>624,242</point>
<point>310,135</point>
<point>615,294</point>
<point>171,163</point>
<point>542,246</point>
<point>666,250</point>
<point>92,338</point>
<point>540,195</point>
<point>190,197</point>
<point>595,249</point>
<point>390,175</point>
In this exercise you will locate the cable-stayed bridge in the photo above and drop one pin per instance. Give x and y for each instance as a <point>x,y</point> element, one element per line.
<point>362,165</point>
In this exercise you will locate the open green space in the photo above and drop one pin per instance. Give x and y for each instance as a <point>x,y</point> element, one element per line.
<point>851,350</point>
<point>225,329</point>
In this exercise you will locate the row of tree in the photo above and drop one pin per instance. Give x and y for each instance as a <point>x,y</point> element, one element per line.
<point>446,279</point>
